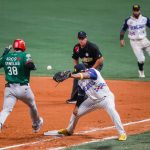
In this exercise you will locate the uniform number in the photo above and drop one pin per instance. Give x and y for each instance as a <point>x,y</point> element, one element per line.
<point>12,70</point>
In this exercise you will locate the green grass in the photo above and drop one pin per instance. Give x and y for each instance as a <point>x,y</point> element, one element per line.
<point>49,28</point>
<point>134,142</point>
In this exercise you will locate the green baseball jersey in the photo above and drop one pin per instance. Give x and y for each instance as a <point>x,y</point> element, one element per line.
<point>14,67</point>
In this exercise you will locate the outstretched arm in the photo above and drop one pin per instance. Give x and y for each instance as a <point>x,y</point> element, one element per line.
<point>89,74</point>
<point>80,76</point>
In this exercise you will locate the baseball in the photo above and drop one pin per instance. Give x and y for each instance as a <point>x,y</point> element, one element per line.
<point>49,67</point>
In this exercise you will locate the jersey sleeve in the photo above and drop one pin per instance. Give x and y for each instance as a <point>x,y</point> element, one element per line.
<point>98,53</point>
<point>125,26</point>
<point>75,54</point>
<point>148,22</point>
<point>27,58</point>
<point>92,73</point>
<point>1,60</point>
<point>29,63</point>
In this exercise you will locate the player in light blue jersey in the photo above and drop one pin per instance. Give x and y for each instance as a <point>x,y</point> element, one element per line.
<point>98,95</point>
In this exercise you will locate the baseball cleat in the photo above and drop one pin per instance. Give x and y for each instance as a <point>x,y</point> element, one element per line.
<point>122,137</point>
<point>37,126</point>
<point>64,132</point>
<point>141,74</point>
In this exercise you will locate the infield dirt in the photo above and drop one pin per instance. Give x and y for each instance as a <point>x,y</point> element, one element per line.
<point>132,103</point>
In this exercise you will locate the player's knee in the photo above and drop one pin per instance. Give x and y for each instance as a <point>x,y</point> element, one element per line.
<point>110,109</point>
<point>141,60</point>
<point>148,50</point>
<point>75,112</point>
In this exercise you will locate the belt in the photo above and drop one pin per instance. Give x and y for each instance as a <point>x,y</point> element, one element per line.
<point>21,84</point>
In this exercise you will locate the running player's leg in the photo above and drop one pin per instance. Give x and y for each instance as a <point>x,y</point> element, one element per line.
<point>26,95</point>
<point>146,44</point>
<point>109,106</point>
<point>8,104</point>
<point>138,51</point>
<point>148,50</point>
<point>87,106</point>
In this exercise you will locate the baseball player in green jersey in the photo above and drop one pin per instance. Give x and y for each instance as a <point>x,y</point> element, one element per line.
<point>17,66</point>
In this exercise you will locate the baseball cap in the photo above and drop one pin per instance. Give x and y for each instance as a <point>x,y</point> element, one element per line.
<point>82,35</point>
<point>78,68</point>
<point>136,7</point>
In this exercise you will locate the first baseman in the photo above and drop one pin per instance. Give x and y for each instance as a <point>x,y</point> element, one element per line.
<point>99,96</point>
<point>136,25</point>
<point>17,66</point>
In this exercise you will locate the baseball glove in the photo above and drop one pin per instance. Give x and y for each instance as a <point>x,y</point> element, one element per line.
<point>61,76</point>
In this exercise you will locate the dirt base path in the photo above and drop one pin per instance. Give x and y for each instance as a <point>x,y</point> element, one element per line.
<point>132,103</point>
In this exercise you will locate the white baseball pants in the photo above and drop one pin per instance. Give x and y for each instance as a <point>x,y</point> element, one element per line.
<point>138,47</point>
<point>23,93</point>
<point>90,105</point>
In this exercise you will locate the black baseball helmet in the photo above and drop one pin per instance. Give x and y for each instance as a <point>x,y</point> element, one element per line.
<point>78,68</point>
<point>82,35</point>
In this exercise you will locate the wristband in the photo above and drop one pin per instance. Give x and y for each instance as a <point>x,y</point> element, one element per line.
<point>81,76</point>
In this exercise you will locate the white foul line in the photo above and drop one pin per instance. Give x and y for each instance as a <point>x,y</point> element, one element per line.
<point>111,127</point>
<point>31,143</point>
<point>84,143</point>
<point>79,133</point>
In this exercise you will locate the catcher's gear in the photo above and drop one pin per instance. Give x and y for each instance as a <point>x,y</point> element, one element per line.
<point>61,76</point>
<point>19,45</point>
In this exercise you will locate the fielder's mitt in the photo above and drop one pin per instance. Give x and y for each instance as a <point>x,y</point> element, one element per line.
<point>61,76</point>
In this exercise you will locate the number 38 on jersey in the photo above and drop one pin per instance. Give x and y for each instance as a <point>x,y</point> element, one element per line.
<point>12,70</point>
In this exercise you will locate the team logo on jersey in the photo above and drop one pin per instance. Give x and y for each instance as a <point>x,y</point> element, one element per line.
<point>87,86</point>
<point>76,49</point>
<point>100,86</point>
<point>18,58</point>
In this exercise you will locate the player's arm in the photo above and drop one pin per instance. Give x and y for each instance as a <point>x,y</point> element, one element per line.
<point>122,33</point>
<point>1,60</point>
<point>98,62</point>
<point>29,63</point>
<point>89,74</point>
<point>148,22</point>
<point>75,61</point>
<point>5,52</point>
<point>99,58</point>
<point>75,55</point>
